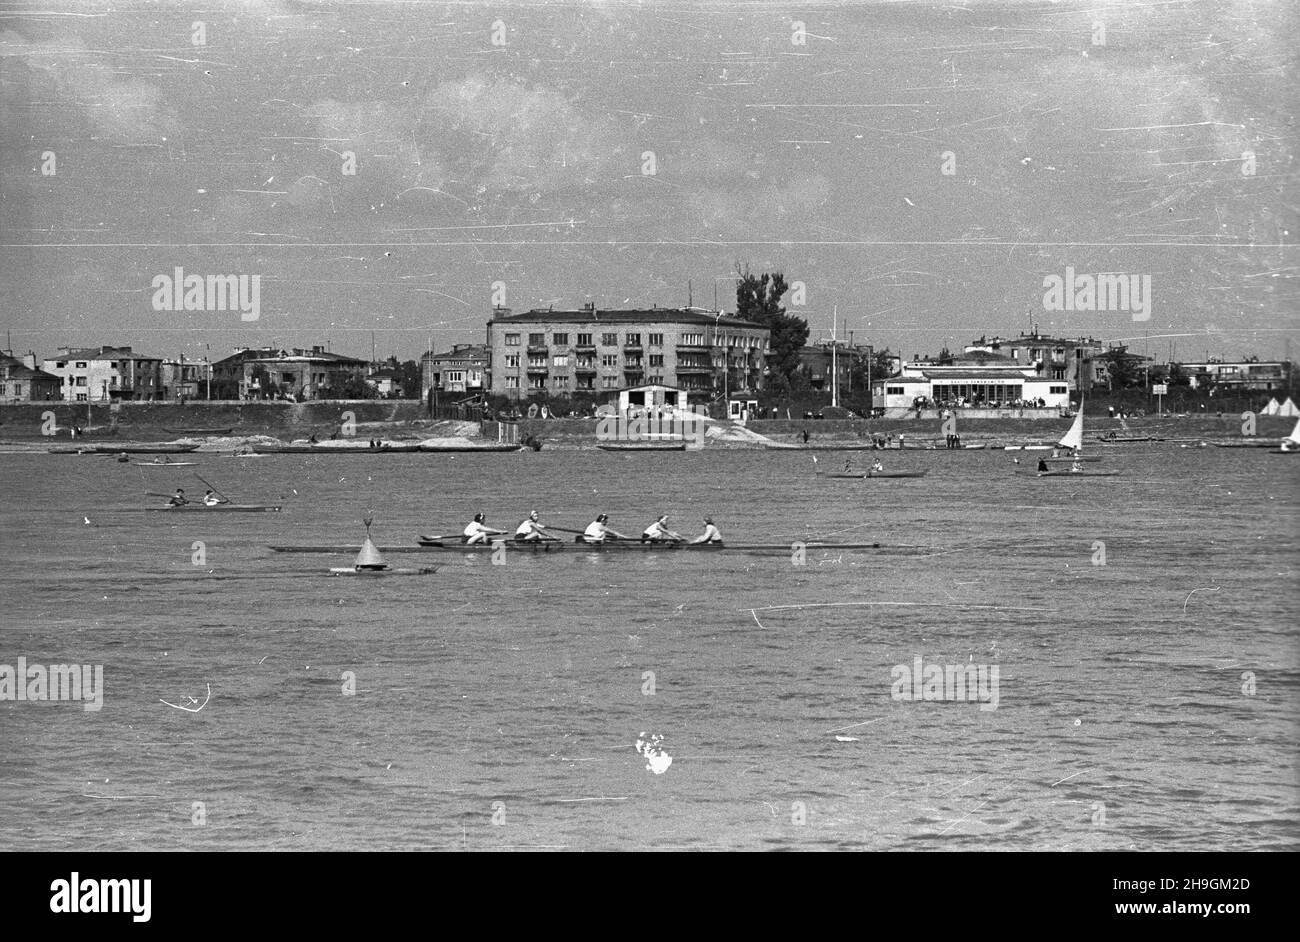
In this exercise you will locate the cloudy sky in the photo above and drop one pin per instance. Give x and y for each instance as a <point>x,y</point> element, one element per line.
<point>920,167</point>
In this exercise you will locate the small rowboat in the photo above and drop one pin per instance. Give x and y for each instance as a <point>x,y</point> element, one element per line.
<point>223,508</point>
<point>354,571</point>
<point>164,464</point>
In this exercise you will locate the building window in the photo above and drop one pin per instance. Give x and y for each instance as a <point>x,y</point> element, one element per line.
<point>81,380</point>
<point>81,365</point>
<point>584,340</point>
<point>512,382</point>
<point>610,360</point>
<point>562,359</point>
<point>893,390</point>
<point>61,365</point>
<point>633,340</point>
<point>654,380</point>
<point>537,362</point>
<point>1057,390</point>
<point>512,340</point>
<point>656,340</point>
<point>656,359</point>
<point>512,361</point>
<point>81,397</point>
<point>609,382</point>
<point>536,340</point>
<point>537,382</point>
<point>609,340</point>
<point>560,340</point>
<point>560,382</point>
<point>692,340</point>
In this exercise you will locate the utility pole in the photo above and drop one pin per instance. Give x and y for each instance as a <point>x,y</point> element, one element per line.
<point>835,360</point>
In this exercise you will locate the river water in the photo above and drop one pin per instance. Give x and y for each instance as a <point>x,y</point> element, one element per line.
<point>1143,628</point>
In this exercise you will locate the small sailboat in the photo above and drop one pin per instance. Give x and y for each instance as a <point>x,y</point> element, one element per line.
<point>1073,441</point>
<point>1291,444</point>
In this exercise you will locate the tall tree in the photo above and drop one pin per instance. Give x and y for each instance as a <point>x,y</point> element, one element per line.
<point>758,299</point>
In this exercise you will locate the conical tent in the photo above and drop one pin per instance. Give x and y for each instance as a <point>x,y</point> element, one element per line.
<point>1271,408</point>
<point>1288,408</point>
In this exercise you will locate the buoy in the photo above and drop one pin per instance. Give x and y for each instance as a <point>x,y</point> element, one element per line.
<point>369,558</point>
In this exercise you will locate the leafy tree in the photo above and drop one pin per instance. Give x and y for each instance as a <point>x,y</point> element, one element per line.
<point>758,299</point>
<point>408,377</point>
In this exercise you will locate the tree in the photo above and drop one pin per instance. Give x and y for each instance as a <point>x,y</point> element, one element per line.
<point>758,299</point>
<point>408,377</point>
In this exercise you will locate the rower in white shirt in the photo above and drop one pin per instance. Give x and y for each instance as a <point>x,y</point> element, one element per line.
<point>710,534</point>
<point>478,531</point>
<point>530,531</point>
<point>658,532</point>
<point>598,531</point>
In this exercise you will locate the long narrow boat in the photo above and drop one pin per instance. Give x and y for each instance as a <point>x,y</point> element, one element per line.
<point>373,573</point>
<point>820,446</point>
<point>1068,459</point>
<point>130,448</point>
<point>859,475</point>
<point>199,507</point>
<point>642,446</point>
<point>1067,473</point>
<point>164,464</point>
<point>331,448</point>
<point>558,546</point>
<point>223,430</point>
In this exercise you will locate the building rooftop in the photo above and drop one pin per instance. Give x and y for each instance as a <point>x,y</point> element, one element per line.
<point>279,355</point>
<point>593,315</point>
<point>958,373</point>
<point>15,368</point>
<point>100,353</point>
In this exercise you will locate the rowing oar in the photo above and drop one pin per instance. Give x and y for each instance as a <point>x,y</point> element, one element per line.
<point>214,489</point>
<point>567,530</point>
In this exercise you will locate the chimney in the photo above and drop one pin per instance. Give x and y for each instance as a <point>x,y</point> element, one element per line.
<point>29,361</point>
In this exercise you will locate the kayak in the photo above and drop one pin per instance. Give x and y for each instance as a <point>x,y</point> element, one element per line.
<point>164,464</point>
<point>1065,473</point>
<point>642,446</point>
<point>227,508</point>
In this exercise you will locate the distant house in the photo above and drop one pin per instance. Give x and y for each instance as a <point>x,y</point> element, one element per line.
<point>185,379</point>
<point>1236,376</point>
<point>269,373</point>
<point>106,374</point>
<point>460,371</point>
<point>386,382</point>
<point>21,381</point>
<point>1054,358</point>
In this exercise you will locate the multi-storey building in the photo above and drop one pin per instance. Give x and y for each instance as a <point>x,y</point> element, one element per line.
<point>105,373</point>
<point>1055,358</point>
<point>21,381</point>
<point>1232,376</point>
<point>460,371</point>
<point>593,351</point>
<point>269,373</point>
<point>185,379</point>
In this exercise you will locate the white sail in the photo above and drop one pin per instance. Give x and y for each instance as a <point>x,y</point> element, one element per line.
<point>1073,439</point>
<point>1295,434</point>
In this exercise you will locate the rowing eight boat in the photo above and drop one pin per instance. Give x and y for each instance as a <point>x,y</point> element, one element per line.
<point>557,546</point>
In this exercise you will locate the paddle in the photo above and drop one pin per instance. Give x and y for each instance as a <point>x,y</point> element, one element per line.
<point>214,489</point>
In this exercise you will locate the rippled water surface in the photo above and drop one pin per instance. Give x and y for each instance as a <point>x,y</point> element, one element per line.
<point>516,692</point>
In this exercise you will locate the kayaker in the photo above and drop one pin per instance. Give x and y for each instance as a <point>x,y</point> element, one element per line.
<point>599,530</point>
<point>710,534</point>
<point>876,466</point>
<point>211,499</point>
<point>658,532</point>
<point>478,531</point>
<point>1077,466</point>
<point>178,499</point>
<point>530,531</point>
<point>1042,464</point>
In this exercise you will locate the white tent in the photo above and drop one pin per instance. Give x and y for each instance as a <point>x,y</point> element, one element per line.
<point>1288,409</point>
<point>1271,408</point>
